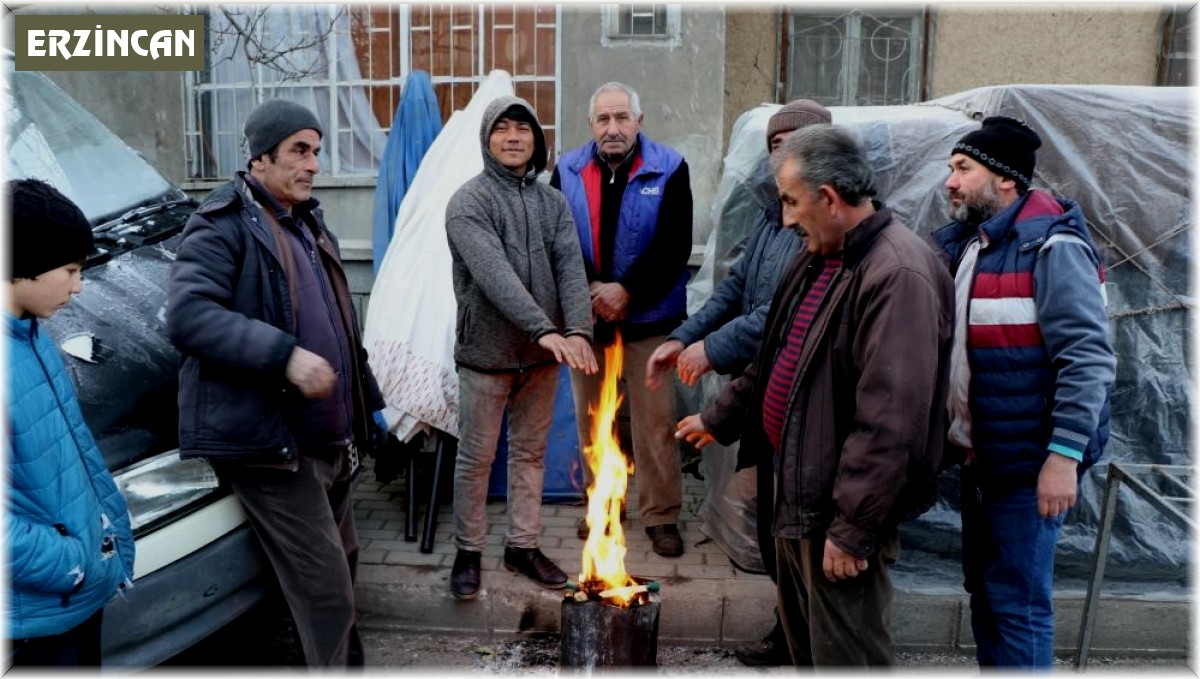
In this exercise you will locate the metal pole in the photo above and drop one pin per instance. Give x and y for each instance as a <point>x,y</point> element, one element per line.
<point>1099,557</point>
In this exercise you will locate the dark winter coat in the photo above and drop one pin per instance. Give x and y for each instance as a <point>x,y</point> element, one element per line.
<point>229,312</point>
<point>863,430</point>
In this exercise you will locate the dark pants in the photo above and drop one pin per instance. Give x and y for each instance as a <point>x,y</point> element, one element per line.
<point>836,624</point>
<point>77,647</point>
<point>1008,566</point>
<point>305,522</point>
<point>765,516</point>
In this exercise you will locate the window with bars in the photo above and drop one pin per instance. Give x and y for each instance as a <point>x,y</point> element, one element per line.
<point>1176,57</point>
<point>855,58</point>
<point>349,63</point>
<point>624,24</point>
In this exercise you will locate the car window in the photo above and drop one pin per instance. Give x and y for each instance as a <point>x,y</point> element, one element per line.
<point>51,137</point>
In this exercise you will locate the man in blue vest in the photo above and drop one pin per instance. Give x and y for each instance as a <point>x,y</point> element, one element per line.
<point>1031,369</point>
<point>632,202</point>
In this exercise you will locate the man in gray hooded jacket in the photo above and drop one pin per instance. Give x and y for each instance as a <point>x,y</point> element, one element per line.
<point>523,308</point>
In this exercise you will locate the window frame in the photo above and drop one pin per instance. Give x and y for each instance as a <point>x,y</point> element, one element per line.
<point>610,27</point>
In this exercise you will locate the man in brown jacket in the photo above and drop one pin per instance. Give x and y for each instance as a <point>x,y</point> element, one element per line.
<point>848,393</point>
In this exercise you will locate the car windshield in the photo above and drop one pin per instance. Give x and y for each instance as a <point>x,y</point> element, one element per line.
<point>51,137</point>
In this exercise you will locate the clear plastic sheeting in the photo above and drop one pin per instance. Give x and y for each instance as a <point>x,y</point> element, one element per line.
<point>1124,154</point>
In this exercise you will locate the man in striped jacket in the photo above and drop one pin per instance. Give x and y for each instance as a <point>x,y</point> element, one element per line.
<point>1031,367</point>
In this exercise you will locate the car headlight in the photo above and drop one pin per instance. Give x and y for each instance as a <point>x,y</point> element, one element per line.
<point>163,485</point>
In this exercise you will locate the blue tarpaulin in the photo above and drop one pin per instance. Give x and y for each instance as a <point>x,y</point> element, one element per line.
<point>417,122</point>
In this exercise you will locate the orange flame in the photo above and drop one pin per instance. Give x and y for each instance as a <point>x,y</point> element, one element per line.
<point>604,550</point>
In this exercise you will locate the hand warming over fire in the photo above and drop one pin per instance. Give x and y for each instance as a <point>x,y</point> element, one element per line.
<point>693,363</point>
<point>840,565</point>
<point>692,430</point>
<point>661,361</point>
<point>575,351</point>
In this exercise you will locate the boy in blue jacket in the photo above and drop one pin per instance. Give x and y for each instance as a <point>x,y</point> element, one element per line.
<point>68,537</point>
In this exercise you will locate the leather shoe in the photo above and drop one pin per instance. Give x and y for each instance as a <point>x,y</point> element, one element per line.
<point>665,540</point>
<point>770,652</point>
<point>464,575</point>
<point>534,565</point>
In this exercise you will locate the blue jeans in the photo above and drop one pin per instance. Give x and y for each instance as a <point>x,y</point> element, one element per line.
<point>1008,565</point>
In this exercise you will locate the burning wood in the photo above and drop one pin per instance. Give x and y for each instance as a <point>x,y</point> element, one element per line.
<point>608,619</point>
<point>604,550</point>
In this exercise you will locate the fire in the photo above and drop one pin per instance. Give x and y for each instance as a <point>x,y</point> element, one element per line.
<point>604,550</point>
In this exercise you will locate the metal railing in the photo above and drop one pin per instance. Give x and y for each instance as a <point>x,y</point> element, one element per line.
<point>1172,492</point>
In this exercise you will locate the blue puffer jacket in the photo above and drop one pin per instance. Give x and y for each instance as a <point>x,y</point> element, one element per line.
<point>70,547</point>
<point>1042,364</point>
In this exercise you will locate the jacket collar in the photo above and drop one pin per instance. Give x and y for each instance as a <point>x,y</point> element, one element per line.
<point>21,328</point>
<point>860,238</point>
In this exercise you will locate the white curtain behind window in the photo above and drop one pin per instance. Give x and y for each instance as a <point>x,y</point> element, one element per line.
<point>351,130</point>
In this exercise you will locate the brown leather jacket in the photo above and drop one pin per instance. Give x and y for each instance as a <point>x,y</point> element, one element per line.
<point>863,434</point>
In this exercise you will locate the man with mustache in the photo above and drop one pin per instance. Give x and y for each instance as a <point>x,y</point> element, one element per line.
<point>632,202</point>
<point>845,397</point>
<point>1031,369</point>
<point>274,386</point>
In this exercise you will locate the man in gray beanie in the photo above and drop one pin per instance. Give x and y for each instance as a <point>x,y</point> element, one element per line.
<point>723,337</point>
<point>274,386</point>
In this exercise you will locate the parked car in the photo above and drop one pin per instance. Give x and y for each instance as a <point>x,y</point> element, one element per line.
<point>198,563</point>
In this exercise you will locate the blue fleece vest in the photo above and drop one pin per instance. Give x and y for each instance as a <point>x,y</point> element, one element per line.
<point>638,218</point>
<point>1012,378</point>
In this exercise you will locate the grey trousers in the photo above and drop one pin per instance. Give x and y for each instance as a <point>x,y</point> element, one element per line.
<point>305,522</point>
<point>482,399</point>
<point>658,465</point>
<point>836,624</point>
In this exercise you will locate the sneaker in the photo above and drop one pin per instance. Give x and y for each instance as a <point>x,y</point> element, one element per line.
<point>665,540</point>
<point>464,575</point>
<point>772,651</point>
<point>534,565</point>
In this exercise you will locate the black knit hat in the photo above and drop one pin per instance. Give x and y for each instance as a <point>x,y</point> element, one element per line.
<point>275,120</point>
<point>48,230</point>
<point>1006,146</point>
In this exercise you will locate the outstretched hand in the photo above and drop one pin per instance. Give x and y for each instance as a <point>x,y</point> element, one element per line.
<point>692,430</point>
<point>693,363</point>
<point>660,362</point>
<point>575,351</point>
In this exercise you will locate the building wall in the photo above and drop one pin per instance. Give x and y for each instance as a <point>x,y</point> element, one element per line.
<point>977,45</point>
<point>751,60</point>
<point>681,90</point>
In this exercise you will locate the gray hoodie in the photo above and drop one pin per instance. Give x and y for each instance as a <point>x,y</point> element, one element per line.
<point>518,268</point>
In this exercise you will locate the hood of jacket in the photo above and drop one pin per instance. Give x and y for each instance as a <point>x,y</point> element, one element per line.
<point>537,163</point>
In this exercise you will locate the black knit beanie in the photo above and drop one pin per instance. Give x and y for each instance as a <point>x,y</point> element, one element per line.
<point>275,120</point>
<point>1006,146</point>
<point>48,230</point>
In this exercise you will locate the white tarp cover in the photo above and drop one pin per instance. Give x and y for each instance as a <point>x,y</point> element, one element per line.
<point>409,331</point>
<point>1124,153</point>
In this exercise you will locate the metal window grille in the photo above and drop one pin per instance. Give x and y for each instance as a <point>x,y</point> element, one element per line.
<point>641,25</point>
<point>642,20</point>
<point>855,58</point>
<point>1176,58</point>
<point>458,45</point>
